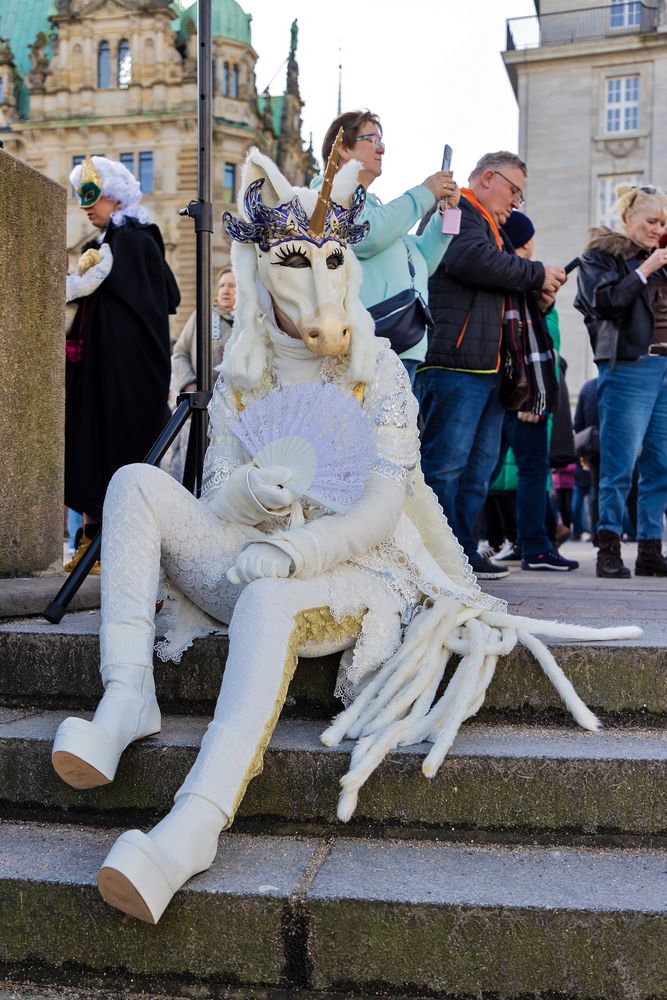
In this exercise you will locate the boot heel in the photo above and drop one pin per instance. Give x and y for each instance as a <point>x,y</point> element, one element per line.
<point>81,756</point>
<point>84,756</point>
<point>132,880</point>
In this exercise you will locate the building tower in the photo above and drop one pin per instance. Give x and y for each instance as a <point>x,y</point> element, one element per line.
<point>119,78</point>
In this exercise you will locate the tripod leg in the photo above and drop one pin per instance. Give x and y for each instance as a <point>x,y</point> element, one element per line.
<point>56,609</point>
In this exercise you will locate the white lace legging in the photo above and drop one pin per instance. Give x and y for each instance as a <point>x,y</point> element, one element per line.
<point>150,519</point>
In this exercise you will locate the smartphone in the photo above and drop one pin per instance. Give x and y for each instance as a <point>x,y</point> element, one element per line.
<point>451,217</point>
<point>570,266</point>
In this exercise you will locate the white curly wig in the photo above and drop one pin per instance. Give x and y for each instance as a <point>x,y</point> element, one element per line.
<point>121,185</point>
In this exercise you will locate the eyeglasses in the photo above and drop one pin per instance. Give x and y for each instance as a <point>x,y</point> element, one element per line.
<point>370,137</point>
<point>649,189</point>
<point>517,194</point>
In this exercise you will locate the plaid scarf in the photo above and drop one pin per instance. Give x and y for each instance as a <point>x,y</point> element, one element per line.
<point>530,365</point>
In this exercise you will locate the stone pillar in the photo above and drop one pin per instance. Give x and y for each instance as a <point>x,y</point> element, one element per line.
<point>33,263</point>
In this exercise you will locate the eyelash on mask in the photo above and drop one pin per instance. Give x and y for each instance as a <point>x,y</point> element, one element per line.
<point>338,254</point>
<point>290,251</point>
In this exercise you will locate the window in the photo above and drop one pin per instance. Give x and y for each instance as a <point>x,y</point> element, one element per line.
<point>225,78</point>
<point>234,84</point>
<point>2,89</point>
<point>127,159</point>
<point>622,106</point>
<point>103,66</point>
<point>229,182</point>
<point>124,74</point>
<point>625,15</point>
<point>146,172</point>
<point>607,197</point>
<point>76,160</point>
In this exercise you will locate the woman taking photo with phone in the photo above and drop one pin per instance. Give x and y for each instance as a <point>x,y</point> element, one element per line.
<point>623,296</point>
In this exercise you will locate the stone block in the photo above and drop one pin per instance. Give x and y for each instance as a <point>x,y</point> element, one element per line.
<point>32,327</point>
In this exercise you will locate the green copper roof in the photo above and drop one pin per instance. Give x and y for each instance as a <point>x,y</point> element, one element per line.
<point>229,20</point>
<point>277,104</point>
<point>21,21</point>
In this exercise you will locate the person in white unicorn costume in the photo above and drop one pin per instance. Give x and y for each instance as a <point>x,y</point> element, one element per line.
<point>384,579</point>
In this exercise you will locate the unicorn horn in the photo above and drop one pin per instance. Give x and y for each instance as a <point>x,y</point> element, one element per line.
<point>318,218</point>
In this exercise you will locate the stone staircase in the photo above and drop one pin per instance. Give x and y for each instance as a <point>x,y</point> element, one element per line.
<point>533,865</point>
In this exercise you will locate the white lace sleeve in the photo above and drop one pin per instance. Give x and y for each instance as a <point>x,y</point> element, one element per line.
<point>393,410</point>
<point>225,452</point>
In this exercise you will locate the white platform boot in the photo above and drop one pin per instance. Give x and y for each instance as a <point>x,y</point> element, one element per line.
<point>86,754</point>
<point>143,871</point>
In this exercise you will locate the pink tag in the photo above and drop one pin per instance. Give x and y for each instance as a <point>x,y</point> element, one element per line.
<point>451,221</point>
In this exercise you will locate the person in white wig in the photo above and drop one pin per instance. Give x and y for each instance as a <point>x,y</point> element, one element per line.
<point>118,352</point>
<point>299,557</point>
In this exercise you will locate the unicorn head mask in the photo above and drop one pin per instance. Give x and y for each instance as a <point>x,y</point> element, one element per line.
<point>291,252</point>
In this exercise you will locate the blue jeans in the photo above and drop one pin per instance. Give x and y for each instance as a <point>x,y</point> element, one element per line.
<point>529,444</point>
<point>463,419</point>
<point>632,399</point>
<point>411,365</point>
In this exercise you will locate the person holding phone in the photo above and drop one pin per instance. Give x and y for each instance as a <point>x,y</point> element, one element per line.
<point>622,294</point>
<point>392,261</point>
<point>478,298</point>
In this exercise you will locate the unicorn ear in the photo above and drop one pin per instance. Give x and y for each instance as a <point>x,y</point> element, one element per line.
<point>276,189</point>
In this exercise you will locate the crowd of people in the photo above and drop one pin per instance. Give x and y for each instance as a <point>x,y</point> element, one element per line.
<point>472,316</point>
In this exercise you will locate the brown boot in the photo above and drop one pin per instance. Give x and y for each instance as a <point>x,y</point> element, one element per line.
<point>650,560</point>
<point>609,563</point>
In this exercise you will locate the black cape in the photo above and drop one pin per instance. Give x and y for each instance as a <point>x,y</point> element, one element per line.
<point>116,395</point>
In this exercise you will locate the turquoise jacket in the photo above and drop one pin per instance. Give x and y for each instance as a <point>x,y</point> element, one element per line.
<point>382,254</point>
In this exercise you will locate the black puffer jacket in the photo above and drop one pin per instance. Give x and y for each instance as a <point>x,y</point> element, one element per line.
<point>467,294</point>
<point>613,299</point>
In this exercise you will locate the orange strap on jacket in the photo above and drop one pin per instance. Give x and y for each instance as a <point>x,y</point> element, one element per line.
<point>467,193</point>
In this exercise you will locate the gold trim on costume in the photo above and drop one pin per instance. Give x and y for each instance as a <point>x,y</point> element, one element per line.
<point>312,624</point>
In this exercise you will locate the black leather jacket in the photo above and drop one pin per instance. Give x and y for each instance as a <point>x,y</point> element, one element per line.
<point>613,298</point>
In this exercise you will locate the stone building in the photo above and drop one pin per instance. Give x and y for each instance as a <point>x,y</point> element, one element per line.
<point>119,78</point>
<point>590,79</point>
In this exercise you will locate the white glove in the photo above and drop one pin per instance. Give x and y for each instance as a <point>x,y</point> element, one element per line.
<point>258,560</point>
<point>77,286</point>
<point>269,487</point>
<point>328,541</point>
<point>250,495</point>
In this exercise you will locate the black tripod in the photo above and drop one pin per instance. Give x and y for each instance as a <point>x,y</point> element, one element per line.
<point>189,404</point>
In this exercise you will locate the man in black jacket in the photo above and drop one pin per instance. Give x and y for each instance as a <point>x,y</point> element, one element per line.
<point>458,386</point>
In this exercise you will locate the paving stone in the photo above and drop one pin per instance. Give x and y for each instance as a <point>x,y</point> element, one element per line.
<point>59,665</point>
<point>30,595</point>
<point>352,916</point>
<point>227,923</point>
<point>495,778</point>
<point>466,920</point>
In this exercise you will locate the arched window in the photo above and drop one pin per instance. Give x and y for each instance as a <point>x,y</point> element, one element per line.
<point>103,66</point>
<point>225,79</point>
<point>124,64</point>
<point>234,86</point>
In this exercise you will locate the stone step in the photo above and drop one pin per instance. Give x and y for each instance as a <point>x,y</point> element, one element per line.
<point>510,780</point>
<point>349,915</point>
<point>55,665</point>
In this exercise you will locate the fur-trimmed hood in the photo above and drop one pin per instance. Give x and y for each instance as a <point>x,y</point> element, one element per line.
<point>610,241</point>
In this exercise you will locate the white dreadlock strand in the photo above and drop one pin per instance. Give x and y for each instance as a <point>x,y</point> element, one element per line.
<point>397,706</point>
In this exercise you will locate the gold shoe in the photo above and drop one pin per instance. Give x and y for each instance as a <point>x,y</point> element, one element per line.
<point>78,556</point>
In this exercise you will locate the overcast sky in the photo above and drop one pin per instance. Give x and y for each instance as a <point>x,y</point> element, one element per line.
<point>431,69</point>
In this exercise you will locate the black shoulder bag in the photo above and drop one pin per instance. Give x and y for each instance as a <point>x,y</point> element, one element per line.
<point>403,318</point>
